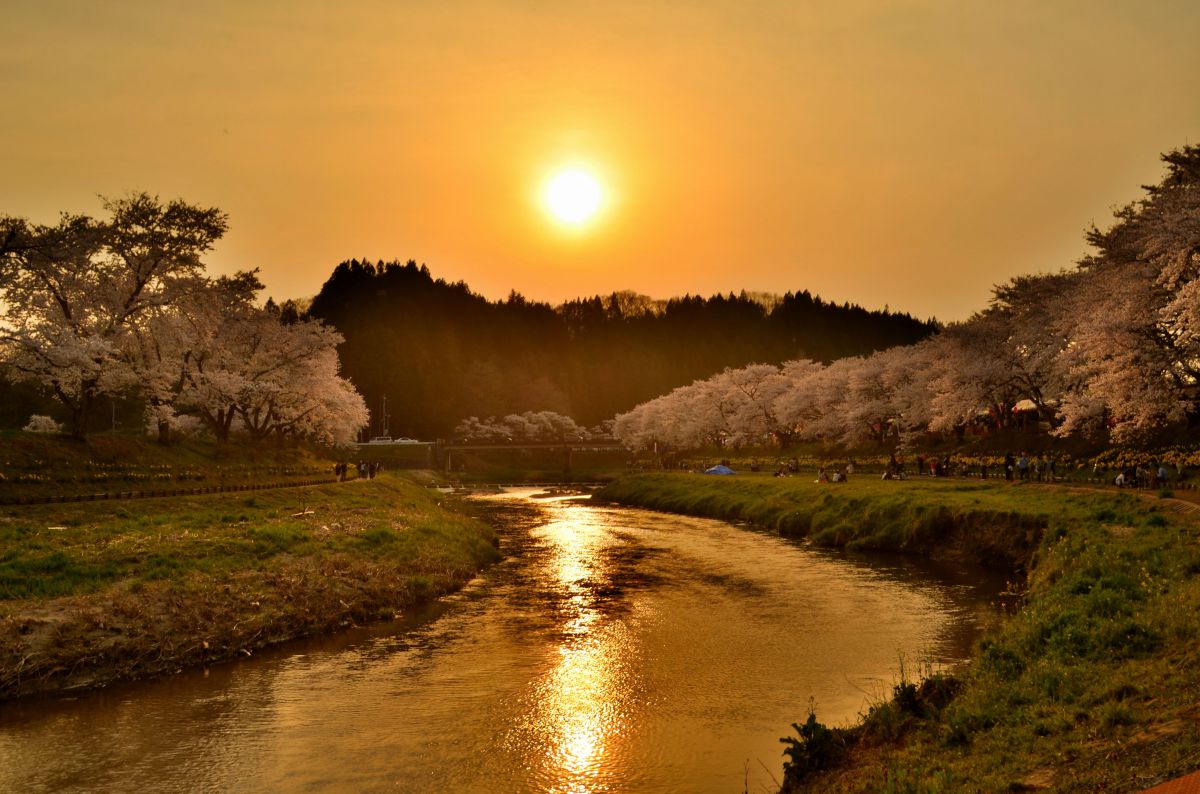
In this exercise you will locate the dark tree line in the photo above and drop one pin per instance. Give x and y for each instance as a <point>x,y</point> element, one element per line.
<point>441,353</point>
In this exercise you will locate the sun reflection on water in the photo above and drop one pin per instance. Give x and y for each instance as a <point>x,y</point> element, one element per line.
<point>580,701</point>
<point>581,723</point>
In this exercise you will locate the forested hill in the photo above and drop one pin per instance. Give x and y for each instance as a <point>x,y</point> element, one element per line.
<point>440,353</point>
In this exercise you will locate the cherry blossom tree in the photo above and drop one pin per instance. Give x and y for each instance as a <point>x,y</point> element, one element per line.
<point>688,417</point>
<point>183,356</point>
<point>1114,344</point>
<point>530,426</point>
<point>122,306</point>
<point>976,374</point>
<point>870,409</point>
<point>1135,322</point>
<point>256,374</point>
<point>289,384</point>
<point>641,426</point>
<point>485,431</point>
<point>908,375</point>
<point>810,402</point>
<point>684,417</point>
<point>74,293</point>
<point>747,398</point>
<point>543,426</point>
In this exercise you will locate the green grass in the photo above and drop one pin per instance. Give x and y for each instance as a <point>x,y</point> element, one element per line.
<point>1091,685</point>
<point>46,574</point>
<point>102,587</point>
<point>79,548</point>
<point>993,523</point>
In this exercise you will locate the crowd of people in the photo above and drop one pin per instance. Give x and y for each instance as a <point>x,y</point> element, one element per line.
<point>1022,467</point>
<point>1156,476</point>
<point>366,470</point>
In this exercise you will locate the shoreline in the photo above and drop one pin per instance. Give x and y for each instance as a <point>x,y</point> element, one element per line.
<point>888,519</point>
<point>206,579</point>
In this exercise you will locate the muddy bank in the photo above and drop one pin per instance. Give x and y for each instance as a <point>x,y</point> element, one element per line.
<point>86,642</point>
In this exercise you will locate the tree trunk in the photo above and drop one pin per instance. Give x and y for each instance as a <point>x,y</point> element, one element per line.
<point>221,424</point>
<point>78,423</point>
<point>79,411</point>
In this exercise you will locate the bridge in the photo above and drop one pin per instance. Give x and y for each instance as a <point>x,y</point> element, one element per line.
<point>589,446</point>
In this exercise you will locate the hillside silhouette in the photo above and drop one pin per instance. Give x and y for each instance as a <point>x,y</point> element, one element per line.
<point>439,352</point>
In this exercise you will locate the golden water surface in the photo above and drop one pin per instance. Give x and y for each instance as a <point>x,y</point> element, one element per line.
<point>613,650</point>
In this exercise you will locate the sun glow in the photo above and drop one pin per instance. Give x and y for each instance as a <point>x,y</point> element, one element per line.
<point>573,196</point>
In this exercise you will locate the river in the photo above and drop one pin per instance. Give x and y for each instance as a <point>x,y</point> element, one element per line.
<point>613,650</point>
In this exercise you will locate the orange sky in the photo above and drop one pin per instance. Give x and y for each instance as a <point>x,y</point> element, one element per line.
<point>905,153</point>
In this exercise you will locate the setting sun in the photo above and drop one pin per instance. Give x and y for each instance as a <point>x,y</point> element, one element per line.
<point>573,196</point>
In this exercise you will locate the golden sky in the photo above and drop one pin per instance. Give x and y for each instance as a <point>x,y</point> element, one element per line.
<point>905,153</point>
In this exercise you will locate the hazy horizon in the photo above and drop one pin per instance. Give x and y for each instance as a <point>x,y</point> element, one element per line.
<point>905,155</point>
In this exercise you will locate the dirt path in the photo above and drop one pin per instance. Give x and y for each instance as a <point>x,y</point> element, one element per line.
<point>1186,502</point>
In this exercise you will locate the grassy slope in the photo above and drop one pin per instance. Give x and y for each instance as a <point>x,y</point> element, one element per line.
<point>1093,685</point>
<point>94,592</point>
<point>35,465</point>
<point>956,517</point>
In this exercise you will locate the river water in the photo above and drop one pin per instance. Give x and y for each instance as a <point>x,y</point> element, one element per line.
<point>613,650</point>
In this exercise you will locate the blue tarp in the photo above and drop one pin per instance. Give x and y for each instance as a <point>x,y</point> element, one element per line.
<point>720,468</point>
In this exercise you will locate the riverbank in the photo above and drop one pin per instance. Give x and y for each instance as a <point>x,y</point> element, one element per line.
<point>92,593</point>
<point>40,467</point>
<point>1092,685</point>
<point>957,519</point>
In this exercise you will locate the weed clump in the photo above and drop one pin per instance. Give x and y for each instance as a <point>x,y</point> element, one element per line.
<point>814,748</point>
<point>817,748</point>
<point>911,705</point>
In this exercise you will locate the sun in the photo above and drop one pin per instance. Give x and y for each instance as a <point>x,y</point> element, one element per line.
<point>573,196</point>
